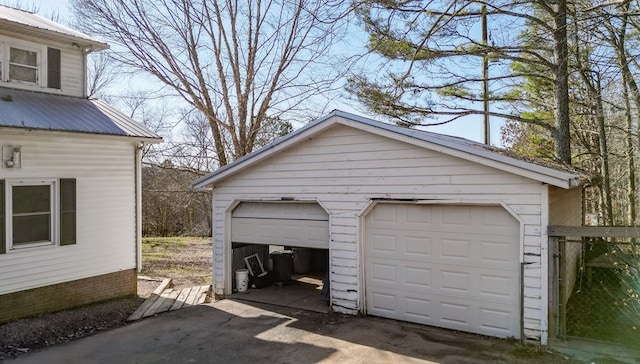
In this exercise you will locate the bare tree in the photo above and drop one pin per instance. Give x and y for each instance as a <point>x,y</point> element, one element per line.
<point>100,74</point>
<point>239,63</point>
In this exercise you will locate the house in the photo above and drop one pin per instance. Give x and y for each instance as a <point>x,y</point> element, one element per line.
<point>69,176</point>
<point>418,227</point>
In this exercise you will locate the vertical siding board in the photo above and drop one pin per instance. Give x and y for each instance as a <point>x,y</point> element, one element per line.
<point>103,168</point>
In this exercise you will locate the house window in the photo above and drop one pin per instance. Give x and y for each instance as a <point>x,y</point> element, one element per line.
<point>31,214</point>
<point>30,63</point>
<point>53,68</point>
<point>37,213</point>
<point>23,65</point>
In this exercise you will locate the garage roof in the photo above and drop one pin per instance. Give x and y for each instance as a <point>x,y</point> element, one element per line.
<point>454,146</point>
<point>42,111</point>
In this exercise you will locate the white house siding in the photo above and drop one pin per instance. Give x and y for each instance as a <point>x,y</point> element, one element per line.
<point>72,66</point>
<point>105,208</point>
<point>344,168</point>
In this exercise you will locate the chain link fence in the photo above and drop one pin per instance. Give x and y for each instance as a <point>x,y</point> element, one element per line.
<point>600,286</point>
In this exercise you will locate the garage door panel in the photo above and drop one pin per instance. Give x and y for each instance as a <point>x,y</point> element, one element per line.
<point>384,244</point>
<point>382,274</point>
<point>494,252</point>
<point>417,277</point>
<point>384,304</point>
<point>417,247</point>
<point>459,270</point>
<point>302,224</point>
<point>447,312</point>
<point>456,281</point>
<point>282,210</point>
<point>459,281</point>
<point>456,249</point>
<point>497,287</point>
<point>302,233</point>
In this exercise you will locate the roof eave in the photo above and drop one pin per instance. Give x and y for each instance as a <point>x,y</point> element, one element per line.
<point>92,44</point>
<point>143,139</point>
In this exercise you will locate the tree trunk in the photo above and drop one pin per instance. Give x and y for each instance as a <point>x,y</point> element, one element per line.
<point>561,86</point>
<point>631,166</point>
<point>604,153</point>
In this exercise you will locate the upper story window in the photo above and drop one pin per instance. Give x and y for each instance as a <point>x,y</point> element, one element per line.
<point>23,65</point>
<point>29,63</point>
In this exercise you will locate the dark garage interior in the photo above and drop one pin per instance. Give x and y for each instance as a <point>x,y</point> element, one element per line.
<point>281,275</point>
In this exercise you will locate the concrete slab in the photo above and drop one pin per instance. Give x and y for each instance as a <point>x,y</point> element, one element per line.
<point>302,292</point>
<point>231,331</point>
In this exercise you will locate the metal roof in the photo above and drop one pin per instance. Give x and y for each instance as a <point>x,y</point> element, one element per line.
<point>30,23</point>
<point>455,146</point>
<point>42,111</point>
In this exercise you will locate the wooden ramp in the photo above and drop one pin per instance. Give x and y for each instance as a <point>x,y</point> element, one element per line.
<point>165,299</point>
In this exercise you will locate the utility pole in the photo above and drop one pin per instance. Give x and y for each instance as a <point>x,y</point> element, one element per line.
<point>485,78</point>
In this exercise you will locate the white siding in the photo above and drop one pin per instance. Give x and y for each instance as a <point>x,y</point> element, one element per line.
<point>344,168</point>
<point>105,208</point>
<point>72,73</point>
<point>72,66</point>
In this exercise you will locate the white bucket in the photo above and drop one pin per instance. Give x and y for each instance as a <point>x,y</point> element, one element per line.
<point>242,280</point>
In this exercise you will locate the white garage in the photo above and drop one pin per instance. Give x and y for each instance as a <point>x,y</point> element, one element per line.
<point>455,267</point>
<point>413,226</point>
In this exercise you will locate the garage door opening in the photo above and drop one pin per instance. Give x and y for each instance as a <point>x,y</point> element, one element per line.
<point>284,247</point>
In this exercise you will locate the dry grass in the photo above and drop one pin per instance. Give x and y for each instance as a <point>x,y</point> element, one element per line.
<point>187,260</point>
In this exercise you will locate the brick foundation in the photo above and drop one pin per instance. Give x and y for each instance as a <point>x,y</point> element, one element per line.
<point>66,295</point>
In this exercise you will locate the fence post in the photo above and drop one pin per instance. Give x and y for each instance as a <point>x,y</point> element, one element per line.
<point>562,274</point>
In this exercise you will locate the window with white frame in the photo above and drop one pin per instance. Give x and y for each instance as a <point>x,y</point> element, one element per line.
<point>36,213</point>
<point>30,63</point>
<point>23,64</point>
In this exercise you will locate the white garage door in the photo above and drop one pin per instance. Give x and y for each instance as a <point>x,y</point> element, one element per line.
<point>281,223</point>
<point>455,267</point>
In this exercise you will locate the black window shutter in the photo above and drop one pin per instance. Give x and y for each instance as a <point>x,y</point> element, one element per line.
<point>3,226</point>
<point>67,211</point>
<point>54,68</point>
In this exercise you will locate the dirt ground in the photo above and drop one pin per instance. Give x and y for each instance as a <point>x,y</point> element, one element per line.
<point>186,260</point>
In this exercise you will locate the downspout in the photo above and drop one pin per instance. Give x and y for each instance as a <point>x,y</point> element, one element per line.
<point>138,204</point>
<point>85,55</point>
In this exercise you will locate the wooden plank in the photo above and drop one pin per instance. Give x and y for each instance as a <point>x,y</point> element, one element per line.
<point>202,294</point>
<point>190,301</point>
<point>165,283</point>
<point>170,298</point>
<point>154,308</point>
<point>179,302</point>
<point>595,231</point>
<point>138,314</point>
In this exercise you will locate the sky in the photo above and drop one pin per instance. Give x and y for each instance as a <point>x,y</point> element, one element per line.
<point>470,128</point>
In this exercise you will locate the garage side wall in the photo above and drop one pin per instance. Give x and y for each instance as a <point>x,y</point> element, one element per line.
<point>565,208</point>
<point>344,169</point>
